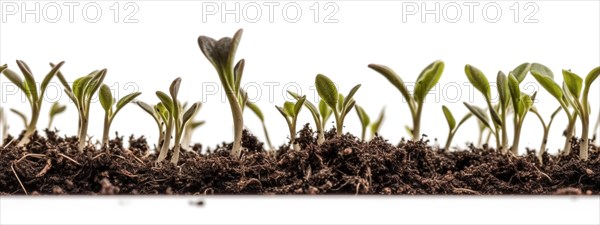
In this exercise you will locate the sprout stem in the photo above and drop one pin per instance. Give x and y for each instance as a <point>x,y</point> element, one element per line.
<point>167,141</point>
<point>416,131</point>
<point>583,145</point>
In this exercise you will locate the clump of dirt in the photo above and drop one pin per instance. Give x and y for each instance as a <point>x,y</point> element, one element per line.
<point>52,165</point>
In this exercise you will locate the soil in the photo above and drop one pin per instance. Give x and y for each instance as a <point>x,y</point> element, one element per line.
<point>52,165</point>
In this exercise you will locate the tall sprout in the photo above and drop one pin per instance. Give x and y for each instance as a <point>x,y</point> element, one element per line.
<point>376,125</point>
<point>221,54</point>
<point>81,94</point>
<point>108,101</point>
<point>580,102</point>
<point>339,104</point>
<point>256,110</point>
<point>159,118</point>
<point>365,122</point>
<point>545,78</point>
<point>426,80</point>
<point>521,103</point>
<point>34,96</point>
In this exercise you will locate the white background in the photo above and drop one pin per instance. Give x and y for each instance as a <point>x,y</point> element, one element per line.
<point>162,45</point>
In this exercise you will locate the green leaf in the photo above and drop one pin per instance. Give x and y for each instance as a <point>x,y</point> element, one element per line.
<point>146,107</point>
<point>163,112</point>
<point>166,101</point>
<point>235,42</point>
<point>79,85</point>
<point>56,109</point>
<point>326,90</point>
<point>29,80</point>
<point>548,84</point>
<point>125,100</point>
<point>515,93</point>
<point>174,88</point>
<point>3,67</point>
<point>479,81</point>
<point>377,124</point>
<point>362,116</point>
<point>349,108</point>
<point>62,79</point>
<point>190,113</point>
<point>282,111</point>
<point>13,77</point>
<point>502,86</point>
<point>449,117</point>
<point>592,75</point>
<point>106,98</point>
<point>541,70</point>
<point>340,102</point>
<point>254,108</point>
<point>480,114</point>
<point>350,95</point>
<point>520,72</point>
<point>526,103</point>
<point>428,79</point>
<point>311,107</point>
<point>393,78</point>
<point>49,76</point>
<point>325,111</point>
<point>95,83</point>
<point>196,124</point>
<point>298,106</point>
<point>573,82</point>
<point>289,109</point>
<point>238,71</point>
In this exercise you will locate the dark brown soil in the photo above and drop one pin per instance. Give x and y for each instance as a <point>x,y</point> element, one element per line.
<point>52,165</point>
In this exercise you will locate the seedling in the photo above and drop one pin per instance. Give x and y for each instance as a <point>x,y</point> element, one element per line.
<point>426,80</point>
<point>546,129</point>
<point>177,119</point>
<point>81,94</point>
<point>377,124</point>
<point>581,104</point>
<point>290,112</point>
<point>221,54</point>
<point>320,115</point>
<point>452,125</point>
<point>521,104</point>
<point>545,78</point>
<point>365,122</point>
<point>155,112</point>
<point>482,117</point>
<point>34,97</point>
<point>107,101</point>
<point>189,129</point>
<point>55,110</point>
<point>339,104</point>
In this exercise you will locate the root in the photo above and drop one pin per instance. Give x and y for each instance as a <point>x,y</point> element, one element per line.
<point>19,180</point>
<point>39,156</point>
<point>45,169</point>
<point>70,159</point>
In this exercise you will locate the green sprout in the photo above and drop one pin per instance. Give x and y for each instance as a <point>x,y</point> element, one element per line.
<point>339,104</point>
<point>365,122</point>
<point>545,78</point>
<point>256,110</point>
<point>580,102</point>
<point>189,129</point>
<point>377,124</point>
<point>521,104</point>
<point>546,129</point>
<point>426,80</point>
<point>221,54</point>
<point>320,115</point>
<point>484,120</point>
<point>452,125</point>
<point>176,119</point>
<point>81,94</point>
<point>290,112</point>
<point>155,112</point>
<point>107,101</point>
<point>55,110</point>
<point>34,97</point>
